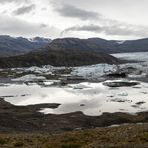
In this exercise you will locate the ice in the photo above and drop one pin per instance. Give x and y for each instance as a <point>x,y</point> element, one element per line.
<point>44,70</point>
<point>138,56</point>
<point>98,70</point>
<point>93,71</point>
<point>40,70</point>
<point>29,77</point>
<point>120,42</point>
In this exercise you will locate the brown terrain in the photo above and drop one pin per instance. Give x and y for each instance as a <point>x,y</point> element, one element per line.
<point>24,126</point>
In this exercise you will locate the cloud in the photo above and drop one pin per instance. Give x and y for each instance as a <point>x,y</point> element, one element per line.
<point>24,9</point>
<point>86,18</point>
<point>103,24</point>
<point>22,28</point>
<point>75,12</point>
<point>43,25</point>
<point>14,1</point>
<point>116,29</point>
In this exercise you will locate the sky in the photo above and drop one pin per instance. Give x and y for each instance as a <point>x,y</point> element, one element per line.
<point>109,19</point>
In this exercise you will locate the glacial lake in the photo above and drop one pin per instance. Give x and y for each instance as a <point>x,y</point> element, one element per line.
<point>91,98</point>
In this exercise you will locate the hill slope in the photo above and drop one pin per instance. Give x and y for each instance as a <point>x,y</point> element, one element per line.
<point>57,58</point>
<point>125,136</point>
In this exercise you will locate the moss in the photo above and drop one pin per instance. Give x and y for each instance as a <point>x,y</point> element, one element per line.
<point>18,144</point>
<point>71,145</point>
<point>3,141</point>
<point>144,137</point>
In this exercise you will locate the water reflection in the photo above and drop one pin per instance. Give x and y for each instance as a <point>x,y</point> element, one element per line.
<point>91,98</point>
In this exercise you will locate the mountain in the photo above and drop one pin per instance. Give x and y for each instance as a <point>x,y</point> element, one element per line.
<point>114,46</point>
<point>69,51</point>
<point>100,45</point>
<point>57,58</point>
<point>59,52</point>
<point>95,44</point>
<point>10,46</point>
<point>91,44</point>
<point>140,45</point>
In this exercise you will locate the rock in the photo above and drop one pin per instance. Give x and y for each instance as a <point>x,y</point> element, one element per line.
<point>140,103</point>
<point>82,104</point>
<point>116,75</point>
<point>120,84</point>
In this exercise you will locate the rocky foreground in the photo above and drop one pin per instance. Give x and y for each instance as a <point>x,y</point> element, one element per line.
<point>28,119</point>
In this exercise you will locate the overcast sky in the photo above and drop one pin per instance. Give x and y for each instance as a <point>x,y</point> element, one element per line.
<point>110,19</point>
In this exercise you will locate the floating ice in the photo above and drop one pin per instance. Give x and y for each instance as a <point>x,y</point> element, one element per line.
<point>30,77</point>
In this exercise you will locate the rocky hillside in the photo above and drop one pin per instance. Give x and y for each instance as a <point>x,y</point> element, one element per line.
<point>57,58</point>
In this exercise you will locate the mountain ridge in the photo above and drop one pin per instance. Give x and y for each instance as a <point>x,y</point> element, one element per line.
<point>73,52</point>
<point>100,45</point>
<point>13,46</point>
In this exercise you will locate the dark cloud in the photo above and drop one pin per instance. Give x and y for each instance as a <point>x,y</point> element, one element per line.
<point>43,25</point>
<point>75,12</point>
<point>24,9</point>
<point>123,30</point>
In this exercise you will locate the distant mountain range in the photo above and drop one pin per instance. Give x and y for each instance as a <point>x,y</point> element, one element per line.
<point>101,45</point>
<point>10,46</point>
<point>63,52</point>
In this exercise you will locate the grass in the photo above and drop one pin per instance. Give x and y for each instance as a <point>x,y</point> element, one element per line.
<point>124,136</point>
<point>70,145</point>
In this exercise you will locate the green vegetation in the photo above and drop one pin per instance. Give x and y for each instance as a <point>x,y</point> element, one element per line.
<point>3,141</point>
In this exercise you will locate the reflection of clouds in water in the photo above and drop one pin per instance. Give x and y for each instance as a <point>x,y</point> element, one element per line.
<point>86,92</point>
<point>92,100</point>
<point>89,89</point>
<point>86,106</point>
